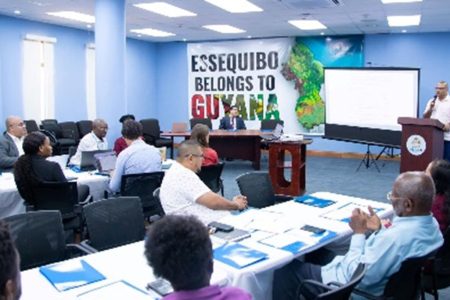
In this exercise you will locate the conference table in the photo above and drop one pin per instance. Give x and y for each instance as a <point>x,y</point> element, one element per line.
<point>275,232</point>
<point>236,144</point>
<point>12,204</point>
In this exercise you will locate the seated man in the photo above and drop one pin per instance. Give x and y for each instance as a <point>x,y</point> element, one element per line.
<point>232,121</point>
<point>10,286</point>
<point>138,157</point>
<point>95,140</point>
<point>11,142</point>
<point>414,233</point>
<point>179,250</point>
<point>182,191</point>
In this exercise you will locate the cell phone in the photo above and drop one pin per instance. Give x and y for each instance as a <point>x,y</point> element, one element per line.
<point>221,227</point>
<point>161,286</point>
<point>313,229</point>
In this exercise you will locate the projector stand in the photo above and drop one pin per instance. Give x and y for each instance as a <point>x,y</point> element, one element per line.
<point>368,160</point>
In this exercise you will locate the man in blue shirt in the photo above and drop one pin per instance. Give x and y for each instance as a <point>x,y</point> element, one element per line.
<point>414,233</point>
<point>138,157</point>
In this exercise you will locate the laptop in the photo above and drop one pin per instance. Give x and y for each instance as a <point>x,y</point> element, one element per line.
<point>105,162</point>
<point>275,135</point>
<point>179,127</point>
<point>88,161</point>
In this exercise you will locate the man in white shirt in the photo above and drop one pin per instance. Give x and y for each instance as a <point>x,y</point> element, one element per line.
<point>11,142</point>
<point>94,140</point>
<point>182,191</point>
<point>438,108</point>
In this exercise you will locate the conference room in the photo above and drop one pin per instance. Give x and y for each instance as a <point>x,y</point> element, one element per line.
<point>364,72</point>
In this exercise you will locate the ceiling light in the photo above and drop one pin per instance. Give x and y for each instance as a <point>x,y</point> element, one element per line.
<point>165,9</point>
<point>322,33</point>
<point>184,40</point>
<point>224,28</point>
<point>398,21</point>
<point>399,1</point>
<point>152,32</point>
<point>307,24</point>
<point>73,15</point>
<point>17,12</point>
<point>89,26</point>
<point>236,6</point>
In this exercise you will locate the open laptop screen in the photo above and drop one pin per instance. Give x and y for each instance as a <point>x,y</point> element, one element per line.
<point>88,161</point>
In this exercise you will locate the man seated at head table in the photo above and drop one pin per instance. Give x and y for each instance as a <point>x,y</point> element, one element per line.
<point>232,121</point>
<point>182,191</point>
<point>414,232</point>
<point>11,142</point>
<point>94,140</point>
<point>179,250</point>
<point>10,285</point>
<point>138,157</point>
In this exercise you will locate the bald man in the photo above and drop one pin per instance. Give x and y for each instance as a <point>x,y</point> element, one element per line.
<point>182,191</point>
<point>414,233</point>
<point>94,140</point>
<point>11,142</point>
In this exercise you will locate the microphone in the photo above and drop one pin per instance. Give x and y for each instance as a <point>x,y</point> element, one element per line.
<point>434,100</point>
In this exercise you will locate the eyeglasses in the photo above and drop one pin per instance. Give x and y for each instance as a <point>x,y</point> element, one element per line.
<point>440,88</point>
<point>195,155</point>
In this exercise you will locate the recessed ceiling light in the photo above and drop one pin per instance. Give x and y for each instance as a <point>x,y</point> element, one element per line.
<point>165,9</point>
<point>152,32</point>
<point>224,28</point>
<point>73,15</point>
<point>17,12</point>
<point>249,36</point>
<point>184,40</point>
<point>396,21</point>
<point>404,31</point>
<point>322,33</point>
<point>399,1</point>
<point>236,6</point>
<point>139,35</point>
<point>89,26</point>
<point>308,24</point>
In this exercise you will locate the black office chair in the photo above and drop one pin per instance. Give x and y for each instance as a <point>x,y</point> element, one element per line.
<point>152,135</point>
<point>210,175</point>
<point>39,238</point>
<point>62,143</point>
<point>206,122</point>
<point>70,131</point>
<point>84,127</point>
<point>31,125</point>
<point>405,284</point>
<point>270,124</point>
<point>332,290</point>
<point>436,275</point>
<point>143,185</point>
<point>61,196</point>
<point>113,222</point>
<point>257,187</point>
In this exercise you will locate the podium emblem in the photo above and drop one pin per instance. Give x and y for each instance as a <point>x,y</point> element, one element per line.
<point>416,145</point>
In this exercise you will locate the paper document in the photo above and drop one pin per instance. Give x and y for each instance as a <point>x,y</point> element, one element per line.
<point>116,290</point>
<point>344,212</point>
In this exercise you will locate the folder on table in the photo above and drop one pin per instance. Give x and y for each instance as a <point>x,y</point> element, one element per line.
<point>70,274</point>
<point>314,201</point>
<point>238,256</point>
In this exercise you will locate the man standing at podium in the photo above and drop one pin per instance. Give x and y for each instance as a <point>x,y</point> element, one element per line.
<point>438,108</point>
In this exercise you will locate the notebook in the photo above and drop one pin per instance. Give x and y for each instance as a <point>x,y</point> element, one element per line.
<point>179,127</point>
<point>275,135</point>
<point>88,161</point>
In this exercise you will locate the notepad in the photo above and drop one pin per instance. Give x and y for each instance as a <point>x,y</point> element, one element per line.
<point>115,290</point>
<point>232,236</point>
<point>314,201</point>
<point>70,274</point>
<point>238,256</point>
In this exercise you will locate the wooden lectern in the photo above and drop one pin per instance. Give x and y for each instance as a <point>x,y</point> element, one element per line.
<point>277,166</point>
<point>422,141</point>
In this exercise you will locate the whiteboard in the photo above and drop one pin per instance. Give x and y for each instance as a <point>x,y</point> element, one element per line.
<point>370,97</point>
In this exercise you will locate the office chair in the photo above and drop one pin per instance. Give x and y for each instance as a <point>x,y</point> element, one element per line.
<point>210,175</point>
<point>113,222</point>
<point>31,125</point>
<point>257,187</point>
<point>62,143</point>
<point>332,290</point>
<point>84,127</point>
<point>39,238</point>
<point>143,185</point>
<point>70,131</point>
<point>152,135</point>
<point>205,121</point>
<point>270,124</point>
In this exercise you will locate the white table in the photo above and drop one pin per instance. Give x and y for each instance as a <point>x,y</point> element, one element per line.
<point>12,204</point>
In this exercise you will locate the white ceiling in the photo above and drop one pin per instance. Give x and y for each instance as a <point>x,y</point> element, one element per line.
<point>348,17</point>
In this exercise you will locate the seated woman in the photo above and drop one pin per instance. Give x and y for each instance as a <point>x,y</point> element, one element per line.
<point>439,170</point>
<point>120,144</point>
<point>32,167</point>
<point>200,134</point>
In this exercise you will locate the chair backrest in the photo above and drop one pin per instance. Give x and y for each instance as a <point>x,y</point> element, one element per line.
<point>84,127</point>
<point>205,121</point>
<point>53,128</point>
<point>31,125</point>
<point>69,130</point>
<point>62,196</point>
<point>270,124</point>
<point>39,237</point>
<point>210,175</point>
<point>150,130</point>
<point>143,185</point>
<point>406,282</point>
<point>49,122</point>
<point>114,222</point>
<point>257,187</point>
<point>344,291</point>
